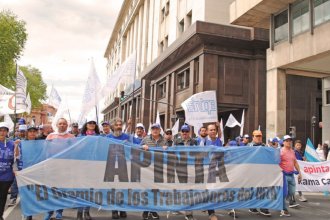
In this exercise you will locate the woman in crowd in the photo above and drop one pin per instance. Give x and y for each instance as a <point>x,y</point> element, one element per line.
<point>89,128</point>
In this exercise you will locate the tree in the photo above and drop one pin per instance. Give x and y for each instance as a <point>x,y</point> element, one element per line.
<point>13,36</point>
<point>35,85</point>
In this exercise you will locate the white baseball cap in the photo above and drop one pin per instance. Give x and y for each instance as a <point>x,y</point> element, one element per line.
<point>139,125</point>
<point>287,137</point>
<point>4,125</point>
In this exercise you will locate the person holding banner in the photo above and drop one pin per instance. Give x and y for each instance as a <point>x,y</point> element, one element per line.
<point>212,139</point>
<point>30,136</point>
<point>117,133</point>
<point>257,141</point>
<point>299,156</point>
<point>7,148</point>
<point>155,139</point>
<point>245,140</point>
<point>185,138</point>
<point>62,126</point>
<point>139,132</point>
<point>289,164</point>
<point>201,139</point>
<point>106,128</point>
<point>89,128</point>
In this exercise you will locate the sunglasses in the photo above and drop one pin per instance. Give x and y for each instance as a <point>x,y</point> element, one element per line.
<point>92,123</point>
<point>257,135</point>
<point>185,131</point>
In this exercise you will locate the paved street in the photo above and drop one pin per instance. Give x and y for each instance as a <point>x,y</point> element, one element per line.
<point>317,207</point>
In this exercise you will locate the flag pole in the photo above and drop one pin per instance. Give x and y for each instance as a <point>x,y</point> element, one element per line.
<point>133,113</point>
<point>15,99</point>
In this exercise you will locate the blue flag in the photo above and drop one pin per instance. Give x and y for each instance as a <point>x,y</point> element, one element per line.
<point>310,152</point>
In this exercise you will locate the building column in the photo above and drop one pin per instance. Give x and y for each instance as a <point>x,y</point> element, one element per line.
<point>276,103</point>
<point>325,111</point>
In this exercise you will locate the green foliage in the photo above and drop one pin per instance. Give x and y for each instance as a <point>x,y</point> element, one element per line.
<point>35,85</point>
<point>13,36</point>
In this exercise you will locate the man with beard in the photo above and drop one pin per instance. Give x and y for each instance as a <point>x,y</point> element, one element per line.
<point>201,139</point>
<point>117,133</point>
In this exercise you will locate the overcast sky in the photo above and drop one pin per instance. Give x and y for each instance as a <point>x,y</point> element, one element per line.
<point>62,37</point>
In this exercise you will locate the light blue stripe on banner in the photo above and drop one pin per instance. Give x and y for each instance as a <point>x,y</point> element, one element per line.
<point>97,149</point>
<point>40,199</point>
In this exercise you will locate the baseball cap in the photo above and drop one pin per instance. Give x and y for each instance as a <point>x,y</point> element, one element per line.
<point>168,130</point>
<point>21,121</point>
<point>103,123</point>
<point>185,128</point>
<point>275,140</point>
<point>287,137</point>
<point>75,124</point>
<point>22,128</point>
<point>32,127</point>
<point>256,133</point>
<point>155,125</point>
<point>246,136</point>
<point>232,143</point>
<point>139,125</point>
<point>4,125</point>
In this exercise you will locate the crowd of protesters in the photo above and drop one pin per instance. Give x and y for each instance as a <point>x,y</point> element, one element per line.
<point>11,154</point>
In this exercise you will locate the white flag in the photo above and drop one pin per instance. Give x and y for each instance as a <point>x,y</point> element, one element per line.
<point>124,73</point>
<point>21,84</point>
<point>158,122</point>
<point>242,124</point>
<point>201,108</point>
<point>28,104</point>
<point>10,122</point>
<point>149,129</point>
<point>54,98</point>
<point>92,93</point>
<point>232,122</point>
<point>7,102</point>
<point>175,128</point>
<point>222,132</point>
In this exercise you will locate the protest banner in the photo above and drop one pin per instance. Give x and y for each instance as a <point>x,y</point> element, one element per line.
<point>113,175</point>
<point>315,176</point>
<point>201,108</point>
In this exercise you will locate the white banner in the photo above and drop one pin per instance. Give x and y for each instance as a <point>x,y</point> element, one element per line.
<point>124,73</point>
<point>92,94</point>
<point>315,176</point>
<point>201,108</point>
<point>7,105</point>
<point>21,84</point>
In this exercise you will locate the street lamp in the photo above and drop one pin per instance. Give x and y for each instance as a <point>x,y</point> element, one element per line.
<point>313,121</point>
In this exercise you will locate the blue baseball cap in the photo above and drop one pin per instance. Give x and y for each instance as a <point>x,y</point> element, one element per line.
<point>275,140</point>
<point>185,128</point>
<point>155,125</point>
<point>232,143</point>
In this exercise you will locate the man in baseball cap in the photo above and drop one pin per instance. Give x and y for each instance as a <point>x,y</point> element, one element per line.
<point>139,133</point>
<point>106,128</point>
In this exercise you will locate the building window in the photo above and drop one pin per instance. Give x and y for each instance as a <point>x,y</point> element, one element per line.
<point>161,90</point>
<point>327,97</point>
<point>181,26</point>
<point>281,26</point>
<point>162,15</point>
<point>183,79</point>
<point>189,16</point>
<point>321,11</point>
<point>167,8</point>
<point>300,16</point>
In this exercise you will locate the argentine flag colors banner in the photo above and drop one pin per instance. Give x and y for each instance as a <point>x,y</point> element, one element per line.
<point>113,175</point>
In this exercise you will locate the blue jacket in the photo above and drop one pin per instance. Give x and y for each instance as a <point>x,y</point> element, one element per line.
<point>6,160</point>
